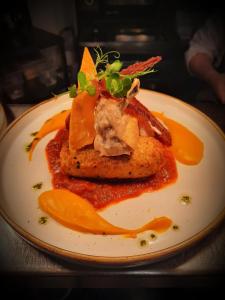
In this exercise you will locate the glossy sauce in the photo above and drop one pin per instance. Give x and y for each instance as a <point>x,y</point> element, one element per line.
<point>186,146</point>
<point>99,192</point>
<point>52,124</point>
<point>77,213</point>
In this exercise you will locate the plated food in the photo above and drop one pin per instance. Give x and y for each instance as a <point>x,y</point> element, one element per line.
<point>109,147</point>
<point>190,207</point>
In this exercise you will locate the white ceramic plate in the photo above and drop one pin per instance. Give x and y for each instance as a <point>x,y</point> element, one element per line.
<point>203,182</point>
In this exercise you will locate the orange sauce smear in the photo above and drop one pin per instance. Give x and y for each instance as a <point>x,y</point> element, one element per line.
<point>52,124</point>
<point>186,146</point>
<point>77,213</point>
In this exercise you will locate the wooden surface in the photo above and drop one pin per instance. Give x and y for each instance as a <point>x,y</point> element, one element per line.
<point>201,265</point>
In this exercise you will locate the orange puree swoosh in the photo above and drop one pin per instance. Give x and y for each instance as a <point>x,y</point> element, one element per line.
<point>186,146</point>
<point>52,124</point>
<point>77,213</point>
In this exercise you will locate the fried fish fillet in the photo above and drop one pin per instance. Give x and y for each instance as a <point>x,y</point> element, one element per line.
<point>146,160</point>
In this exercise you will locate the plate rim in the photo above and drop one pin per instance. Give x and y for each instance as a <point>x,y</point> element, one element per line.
<point>114,261</point>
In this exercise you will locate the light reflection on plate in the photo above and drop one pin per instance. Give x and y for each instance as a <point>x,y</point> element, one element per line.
<point>204,183</point>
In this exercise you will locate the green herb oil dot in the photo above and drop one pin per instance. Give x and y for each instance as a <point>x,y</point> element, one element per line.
<point>143,243</point>
<point>37,186</point>
<point>153,236</point>
<point>42,220</point>
<point>175,227</point>
<point>34,133</point>
<point>185,199</point>
<point>27,147</point>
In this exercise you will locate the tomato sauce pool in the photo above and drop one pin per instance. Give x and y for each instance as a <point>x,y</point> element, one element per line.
<point>101,193</point>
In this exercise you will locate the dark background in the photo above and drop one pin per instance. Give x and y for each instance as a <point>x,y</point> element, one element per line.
<point>42,42</point>
<point>41,47</point>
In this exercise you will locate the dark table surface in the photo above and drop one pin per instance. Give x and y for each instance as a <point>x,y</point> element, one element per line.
<point>202,265</point>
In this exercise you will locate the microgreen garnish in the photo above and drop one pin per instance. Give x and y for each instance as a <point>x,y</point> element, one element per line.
<point>72,91</point>
<point>117,84</point>
<point>103,58</point>
<point>84,84</point>
<point>114,67</point>
<point>81,77</point>
<point>91,90</point>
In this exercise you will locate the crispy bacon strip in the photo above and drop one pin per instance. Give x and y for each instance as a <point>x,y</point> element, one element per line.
<point>141,66</point>
<point>135,108</point>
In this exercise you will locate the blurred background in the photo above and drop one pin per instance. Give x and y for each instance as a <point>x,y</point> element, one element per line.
<point>42,42</point>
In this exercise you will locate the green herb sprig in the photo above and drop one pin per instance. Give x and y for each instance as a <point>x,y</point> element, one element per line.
<point>72,91</point>
<point>103,58</point>
<point>116,84</point>
<point>85,85</point>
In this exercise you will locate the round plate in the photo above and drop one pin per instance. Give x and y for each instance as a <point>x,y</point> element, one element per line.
<point>204,183</point>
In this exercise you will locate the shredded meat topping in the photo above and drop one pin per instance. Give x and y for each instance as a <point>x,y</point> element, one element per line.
<point>108,121</point>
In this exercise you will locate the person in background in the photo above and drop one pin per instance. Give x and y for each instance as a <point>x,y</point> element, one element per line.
<point>205,58</point>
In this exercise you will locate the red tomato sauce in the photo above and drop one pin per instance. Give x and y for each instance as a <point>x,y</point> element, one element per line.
<point>102,193</point>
